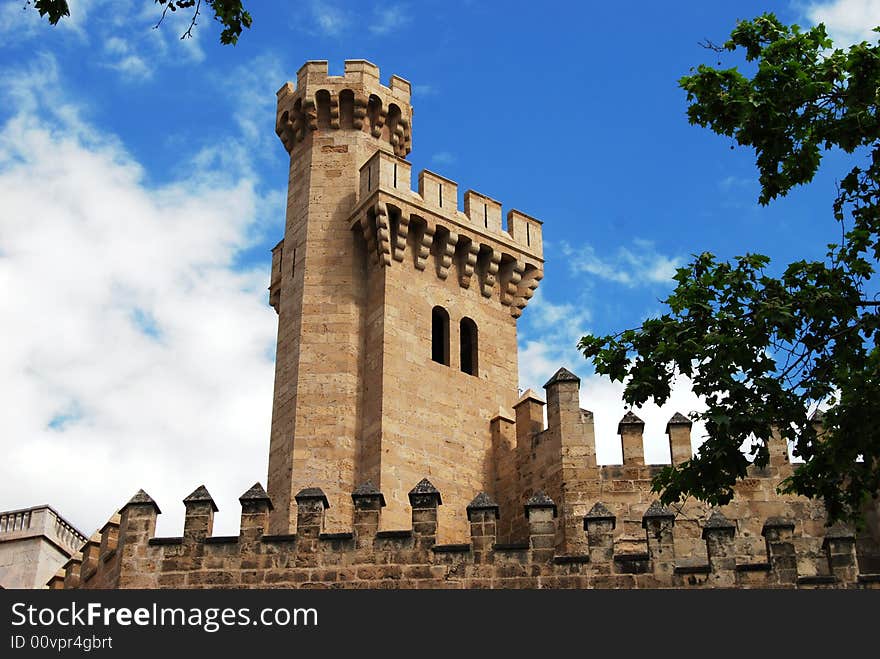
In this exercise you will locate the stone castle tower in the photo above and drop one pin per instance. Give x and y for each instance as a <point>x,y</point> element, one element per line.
<point>396,310</point>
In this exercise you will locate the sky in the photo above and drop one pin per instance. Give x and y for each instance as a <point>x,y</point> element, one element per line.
<point>142,187</point>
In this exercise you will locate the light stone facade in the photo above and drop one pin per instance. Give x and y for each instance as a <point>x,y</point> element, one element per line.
<point>34,543</point>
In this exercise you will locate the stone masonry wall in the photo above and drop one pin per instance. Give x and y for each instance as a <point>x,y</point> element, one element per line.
<point>128,556</point>
<point>602,528</point>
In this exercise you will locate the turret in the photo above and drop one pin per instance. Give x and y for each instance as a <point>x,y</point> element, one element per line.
<point>355,100</point>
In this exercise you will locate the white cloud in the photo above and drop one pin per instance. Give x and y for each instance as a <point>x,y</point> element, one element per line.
<point>129,334</point>
<point>630,266</point>
<point>253,95</point>
<point>120,58</point>
<point>332,20</point>
<point>604,399</point>
<point>163,42</point>
<point>847,21</point>
<point>329,20</point>
<point>131,46</point>
<point>387,19</point>
<point>549,333</point>
<point>20,21</point>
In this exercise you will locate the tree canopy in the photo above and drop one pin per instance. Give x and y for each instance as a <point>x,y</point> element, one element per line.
<point>229,13</point>
<point>765,352</point>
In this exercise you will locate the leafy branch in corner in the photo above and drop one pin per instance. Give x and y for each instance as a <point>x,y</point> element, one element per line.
<point>229,13</point>
<point>765,351</point>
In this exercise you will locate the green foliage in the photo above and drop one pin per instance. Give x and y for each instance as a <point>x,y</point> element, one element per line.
<point>54,9</point>
<point>761,350</point>
<point>229,13</point>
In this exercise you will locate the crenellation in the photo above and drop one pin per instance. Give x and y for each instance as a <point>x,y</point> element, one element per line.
<point>401,88</point>
<point>679,431</point>
<point>384,170</point>
<point>109,537</point>
<point>320,102</point>
<point>632,430</point>
<point>199,520</point>
<point>412,558</point>
<point>438,191</point>
<point>90,557</point>
<point>436,200</point>
<point>525,230</point>
<point>483,211</point>
<point>73,571</point>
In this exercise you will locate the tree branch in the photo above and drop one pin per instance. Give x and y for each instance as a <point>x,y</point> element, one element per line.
<point>188,33</point>
<point>162,17</point>
<point>710,45</point>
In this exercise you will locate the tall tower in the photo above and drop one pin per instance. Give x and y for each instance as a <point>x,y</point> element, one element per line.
<point>397,311</point>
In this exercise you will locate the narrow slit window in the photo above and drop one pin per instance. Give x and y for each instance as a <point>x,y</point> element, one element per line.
<point>485,216</point>
<point>528,236</point>
<point>469,350</point>
<point>395,175</point>
<point>293,263</point>
<point>440,336</point>
<point>440,193</point>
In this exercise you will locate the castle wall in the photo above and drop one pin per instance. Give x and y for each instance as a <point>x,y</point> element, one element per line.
<point>625,539</point>
<point>606,530</point>
<point>366,557</point>
<point>560,460</point>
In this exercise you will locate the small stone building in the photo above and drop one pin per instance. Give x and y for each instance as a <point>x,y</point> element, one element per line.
<point>34,543</point>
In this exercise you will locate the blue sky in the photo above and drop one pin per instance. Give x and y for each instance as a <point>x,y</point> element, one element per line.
<point>143,187</point>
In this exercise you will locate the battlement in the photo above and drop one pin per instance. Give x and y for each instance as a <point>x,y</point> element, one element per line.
<point>507,260</point>
<point>356,100</point>
<point>556,519</point>
<point>126,553</point>
<point>356,73</point>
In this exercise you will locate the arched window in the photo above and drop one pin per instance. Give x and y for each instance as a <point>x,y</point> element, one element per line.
<point>469,351</point>
<point>346,108</point>
<point>322,99</point>
<point>440,335</point>
<point>374,113</point>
